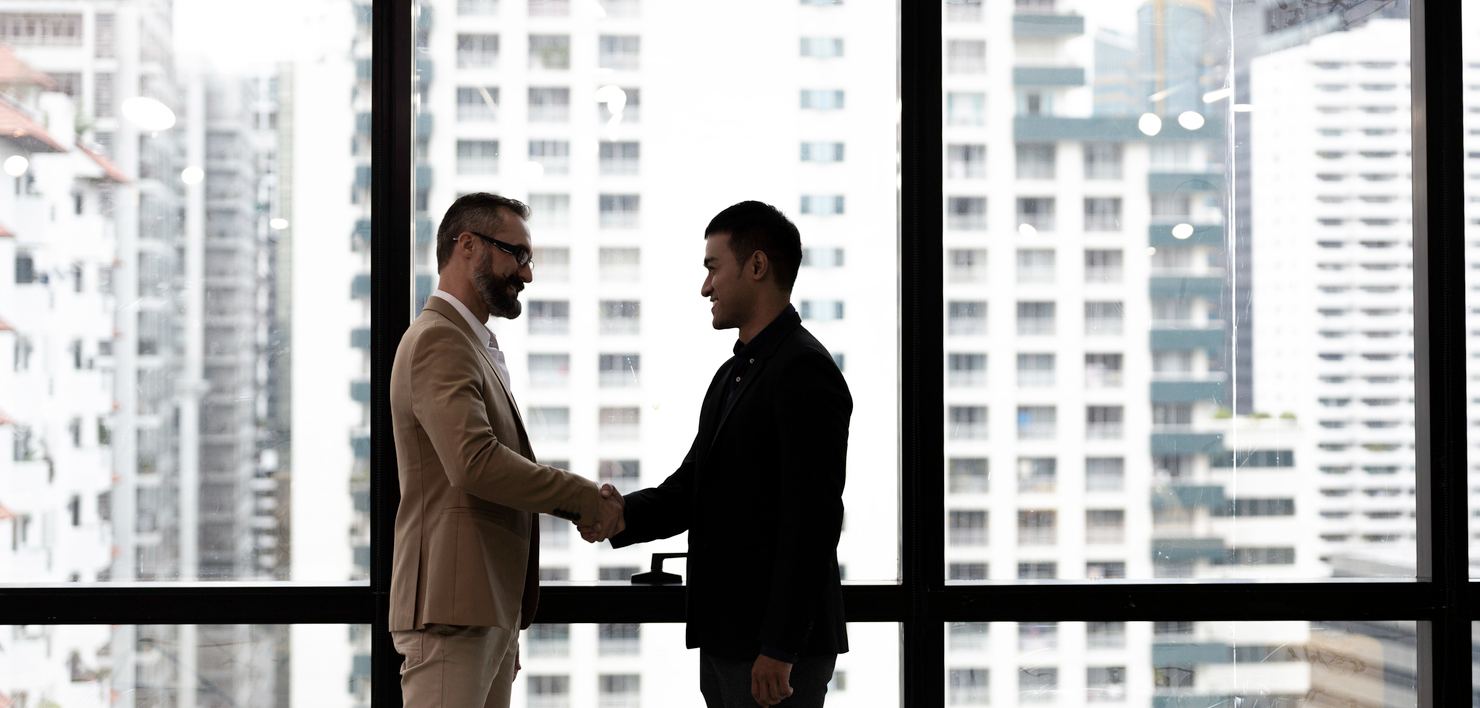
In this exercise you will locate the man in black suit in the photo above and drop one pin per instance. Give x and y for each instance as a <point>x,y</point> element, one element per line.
<point>761,489</point>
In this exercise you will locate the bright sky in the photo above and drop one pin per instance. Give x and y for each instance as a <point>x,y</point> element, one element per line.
<point>232,35</point>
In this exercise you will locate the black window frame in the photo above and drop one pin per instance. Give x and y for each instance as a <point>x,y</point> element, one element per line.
<point>1440,599</point>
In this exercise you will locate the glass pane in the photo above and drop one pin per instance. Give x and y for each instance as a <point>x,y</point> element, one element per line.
<point>1173,664</point>
<point>1472,240</point>
<point>624,147</point>
<point>152,407</point>
<point>1179,299</point>
<point>159,666</point>
<point>647,666</point>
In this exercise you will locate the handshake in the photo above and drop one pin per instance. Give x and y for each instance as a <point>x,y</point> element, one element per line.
<point>610,517</point>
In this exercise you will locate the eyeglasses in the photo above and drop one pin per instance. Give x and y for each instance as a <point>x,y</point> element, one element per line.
<point>521,255</point>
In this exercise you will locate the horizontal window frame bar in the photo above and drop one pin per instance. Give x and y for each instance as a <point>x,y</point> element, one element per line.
<point>351,603</point>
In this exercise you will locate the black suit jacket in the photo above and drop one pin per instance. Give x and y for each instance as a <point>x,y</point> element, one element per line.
<point>761,495</point>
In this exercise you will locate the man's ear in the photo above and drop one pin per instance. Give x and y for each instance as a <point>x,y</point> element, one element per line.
<point>758,265</point>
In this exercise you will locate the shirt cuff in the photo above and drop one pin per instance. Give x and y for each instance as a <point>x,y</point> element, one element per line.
<point>779,654</point>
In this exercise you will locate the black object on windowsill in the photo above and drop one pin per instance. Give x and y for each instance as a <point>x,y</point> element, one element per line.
<point>656,576</point>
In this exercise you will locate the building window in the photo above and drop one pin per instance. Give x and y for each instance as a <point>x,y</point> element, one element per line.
<point>620,157</point>
<point>103,94</point>
<point>968,528</point>
<point>618,423</point>
<point>477,103</point>
<point>554,263</point>
<point>619,52</point>
<point>619,211</point>
<point>966,317</point>
<point>1104,570</point>
<point>549,105</point>
<point>966,56</point>
<point>1104,422</point>
<point>619,265</point>
<point>619,370</point>
<point>1037,475</point>
<point>1038,684</point>
<point>966,572</point>
<point>25,268</point>
<point>618,105</point>
<point>549,691</point>
<point>477,51</point>
<point>968,635</point>
<point>822,152</point>
<point>968,475</point>
<point>1035,265</point>
<point>1104,318</point>
<point>619,639</point>
<point>966,213</point>
<point>549,423</point>
<point>963,10</point>
<point>1035,318</point>
<point>1102,213</point>
<point>1103,266</point>
<point>968,422</point>
<point>1036,160</point>
<point>822,310</point>
<point>1103,526</point>
<point>1104,474</point>
<point>822,47</point>
<point>477,157</point>
<point>549,370</point>
<point>1103,370</point>
<point>967,265</point>
<point>967,370</point>
<point>1042,570</point>
<point>966,161</point>
<point>822,204</point>
<point>1037,527</point>
<point>1105,684</point>
<point>966,108</point>
<point>1035,370</point>
<point>822,99</point>
<point>822,257</point>
<point>623,474</point>
<point>477,7</point>
<point>549,8</point>
<point>620,316</point>
<point>1102,160</point>
<point>548,639</point>
<point>550,52</point>
<point>51,29</point>
<point>970,687</point>
<point>549,210</point>
<point>1036,212</point>
<point>549,317</point>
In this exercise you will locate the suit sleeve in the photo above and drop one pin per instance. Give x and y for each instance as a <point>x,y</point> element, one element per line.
<point>813,408</point>
<point>448,402</point>
<point>662,511</point>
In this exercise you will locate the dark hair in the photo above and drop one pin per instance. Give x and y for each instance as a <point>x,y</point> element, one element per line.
<point>479,211</point>
<point>757,226</point>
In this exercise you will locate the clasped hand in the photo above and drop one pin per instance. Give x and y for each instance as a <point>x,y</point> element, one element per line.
<point>610,517</point>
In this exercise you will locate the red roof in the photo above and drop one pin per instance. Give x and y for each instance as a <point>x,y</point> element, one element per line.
<point>110,170</point>
<point>5,515</point>
<point>15,71</point>
<point>19,128</point>
<point>5,326</point>
<point>6,233</point>
<point>5,419</point>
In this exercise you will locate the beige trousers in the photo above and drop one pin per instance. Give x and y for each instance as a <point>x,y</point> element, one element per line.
<point>457,667</point>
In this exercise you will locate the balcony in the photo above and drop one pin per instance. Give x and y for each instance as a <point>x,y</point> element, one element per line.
<point>1061,76</point>
<point>1204,234</point>
<point>1188,391</point>
<point>1204,287</point>
<point>1035,25</point>
<point>1047,128</point>
<point>1169,181</point>
<point>1186,443</point>
<point>1207,338</point>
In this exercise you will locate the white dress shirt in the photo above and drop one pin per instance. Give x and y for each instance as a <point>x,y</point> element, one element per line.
<point>485,335</point>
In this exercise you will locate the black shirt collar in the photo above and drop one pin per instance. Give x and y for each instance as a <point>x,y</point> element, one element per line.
<point>779,328</point>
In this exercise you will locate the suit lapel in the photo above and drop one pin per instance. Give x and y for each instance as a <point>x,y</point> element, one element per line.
<point>751,375</point>
<point>444,308</point>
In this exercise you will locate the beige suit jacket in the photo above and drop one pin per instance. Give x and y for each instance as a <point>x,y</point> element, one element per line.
<point>466,541</point>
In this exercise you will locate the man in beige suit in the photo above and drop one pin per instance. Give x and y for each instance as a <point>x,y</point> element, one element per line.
<point>465,578</point>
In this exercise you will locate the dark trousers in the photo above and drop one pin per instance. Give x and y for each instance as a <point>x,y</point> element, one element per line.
<point>725,683</point>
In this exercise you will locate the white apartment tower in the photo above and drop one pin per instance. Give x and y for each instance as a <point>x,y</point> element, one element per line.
<point>1334,297</point>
